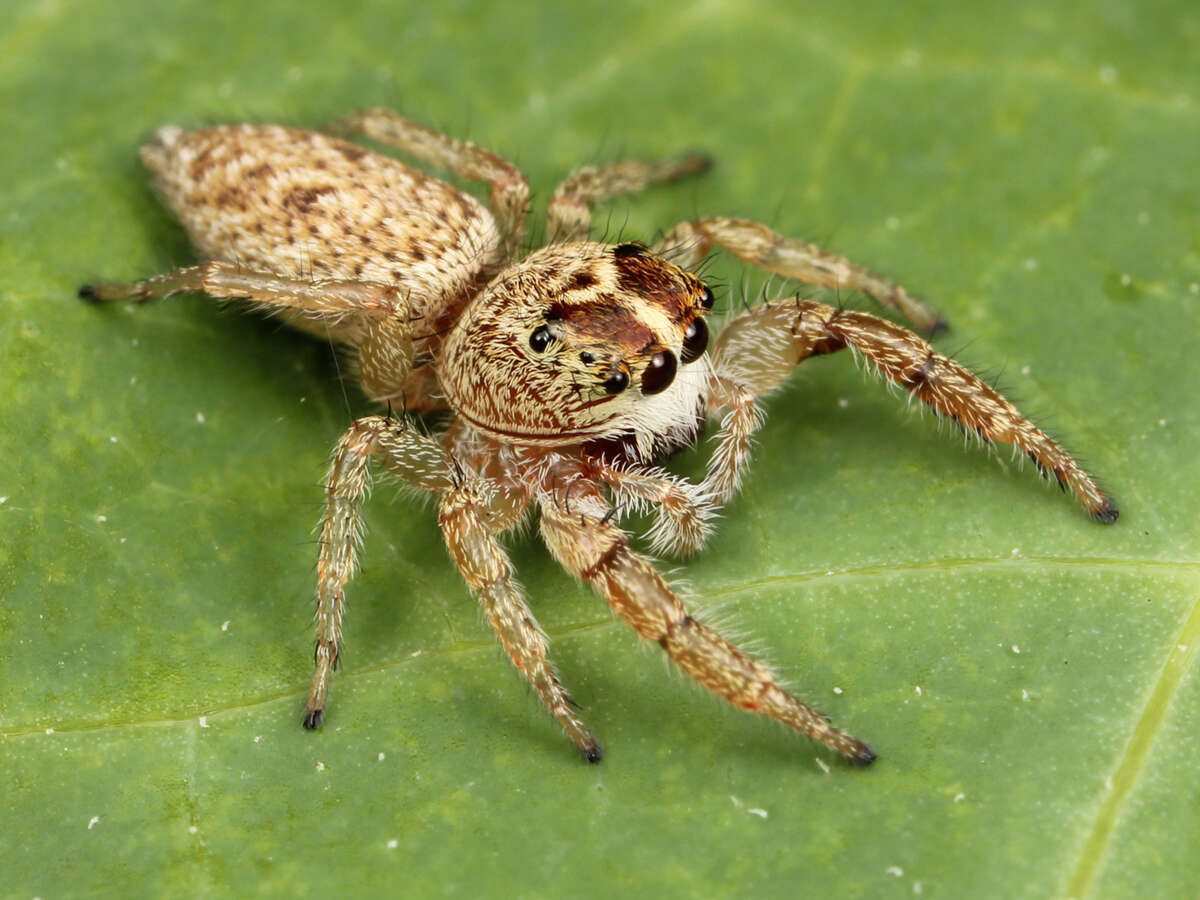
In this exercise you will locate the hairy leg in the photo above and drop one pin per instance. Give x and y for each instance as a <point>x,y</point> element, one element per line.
<point>228,281</point>
<point>569,216</point>
<point>416,458</point>
<point>683,511</point>
<point>510,191</point>
<point>688,243</point>
<point>465,514</point>
<point>581,537</point>
<point>760,347</point>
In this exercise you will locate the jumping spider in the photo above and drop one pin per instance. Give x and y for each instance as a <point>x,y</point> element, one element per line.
<point>570,372</point>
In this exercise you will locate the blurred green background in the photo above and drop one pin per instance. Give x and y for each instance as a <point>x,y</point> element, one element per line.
<point>1026,676</point>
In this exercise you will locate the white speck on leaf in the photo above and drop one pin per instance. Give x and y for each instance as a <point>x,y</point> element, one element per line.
<point>761,813</point>
<point>204,721</point>
<point>93,822</point>
<point>320,766</point>
<point>822,765</point>
<point>895,870</point>
<point>200,420</point>
<point>393,844</point>
<point>1016,649</point>
<point>837,690</point>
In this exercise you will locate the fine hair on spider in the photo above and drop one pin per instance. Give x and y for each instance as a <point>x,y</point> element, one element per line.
<point>566,373</point>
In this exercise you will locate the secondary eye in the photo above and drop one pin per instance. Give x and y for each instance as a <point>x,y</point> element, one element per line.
<point>616,382</point>
<point>659,374</point>
<point>706,299</point>
<point>695,341</point>
<point>540,339</point>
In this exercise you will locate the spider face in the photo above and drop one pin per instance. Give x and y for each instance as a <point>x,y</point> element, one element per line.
<point>578,342</point>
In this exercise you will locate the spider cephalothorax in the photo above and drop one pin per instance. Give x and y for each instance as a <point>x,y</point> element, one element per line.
<point>570,372</point>
<point>578,342</point>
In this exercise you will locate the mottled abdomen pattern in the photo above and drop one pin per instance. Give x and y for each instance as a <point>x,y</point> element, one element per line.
<point>306,205</point>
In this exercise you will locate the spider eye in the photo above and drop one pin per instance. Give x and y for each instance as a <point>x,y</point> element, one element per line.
<point>616,382</point>
<point>695,341</point>
<point>659,374</point>
<point>540,339</point>
<point>707,299</point>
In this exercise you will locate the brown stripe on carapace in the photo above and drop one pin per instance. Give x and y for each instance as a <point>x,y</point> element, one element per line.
<point>606,319</point>
<point>655,281</point>
<point>581,281</point>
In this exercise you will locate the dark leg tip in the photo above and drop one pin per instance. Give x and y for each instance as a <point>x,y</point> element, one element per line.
<point>1107,515</point>
<point>863,755</point>
<point>313,719</point>
<point>591,753</point>
<point>703,162</point>
<point>88,292</point>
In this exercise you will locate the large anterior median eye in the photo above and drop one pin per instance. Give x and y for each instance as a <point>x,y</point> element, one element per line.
<point>695,341</point>
<point>660,373</point>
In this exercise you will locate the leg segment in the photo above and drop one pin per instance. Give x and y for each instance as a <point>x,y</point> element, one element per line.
<point>759,348</point>
<point>689,242</point>
<point>568,216</point>
<point>464,518</point>
<point>510,191</point>
<point>589,547</point>
<point>683,511</point>
<point>232,282</point>
<point>416,458</point>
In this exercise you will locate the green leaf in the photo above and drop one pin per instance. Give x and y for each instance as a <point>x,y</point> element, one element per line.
<point>1027,677</point>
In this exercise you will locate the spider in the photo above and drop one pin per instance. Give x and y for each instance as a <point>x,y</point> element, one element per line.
<point>570,372</point>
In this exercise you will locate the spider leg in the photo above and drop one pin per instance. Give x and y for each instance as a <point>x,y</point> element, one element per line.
<point>469,522</point>
<point>510,191</point>
<point>229,281</point>
<point>688,243</point>
<point>569,215</point>
<point>683,511</point>
<point>591,548</point>
<point>416,458</point>
<point>761,346</point>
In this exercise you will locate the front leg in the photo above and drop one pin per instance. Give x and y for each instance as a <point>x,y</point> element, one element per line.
<point>416,458</point>
<point>689,242</point>
<point>760,347</point>
<point>683,512</point>
<point>469,514</point>
<point>579,534</point>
